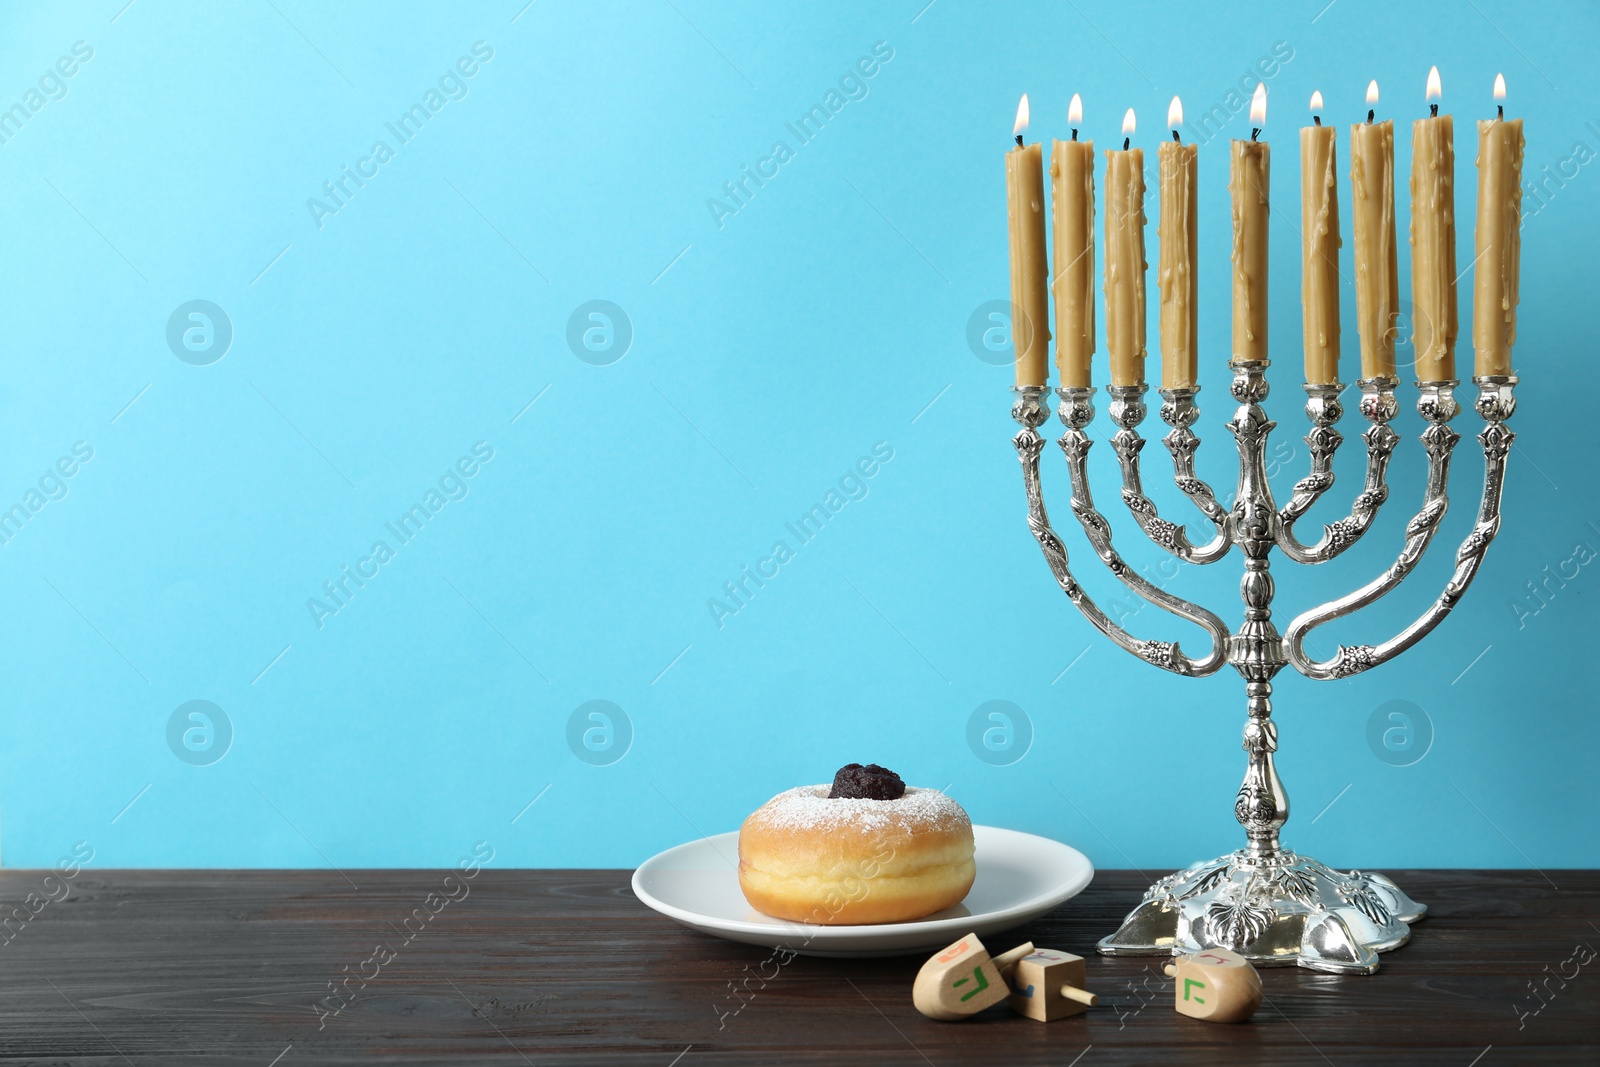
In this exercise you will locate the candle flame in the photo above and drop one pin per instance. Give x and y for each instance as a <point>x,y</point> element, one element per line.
<point>1022,117</point>
<point>1316,102</point>
<point>1499,86</point>
<point>1175,113</point>
<point>1075,111</point>
<point>1258,106</point>
<point>1434,89</point>
<point>1128,123</point>
<point>1372,93</point>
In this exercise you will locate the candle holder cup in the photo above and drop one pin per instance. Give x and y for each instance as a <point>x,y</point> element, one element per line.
<point>1264,901</point>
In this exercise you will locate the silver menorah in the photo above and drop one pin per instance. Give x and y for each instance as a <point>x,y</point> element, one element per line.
<point>1264,901</point>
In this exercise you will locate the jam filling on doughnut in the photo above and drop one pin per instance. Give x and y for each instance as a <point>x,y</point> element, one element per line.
<point>872,782</point>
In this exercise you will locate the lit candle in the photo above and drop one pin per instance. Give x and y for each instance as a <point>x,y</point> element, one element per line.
<point>1072,210</point>
<point>1377,275</point>
<point>1433,240</point>
<point>1248,182</point>
<point>1030,272</point>
<point>1319,247</point>
<point>1125,263</point>
<point>1499,253</point>
<point>1175,267</point>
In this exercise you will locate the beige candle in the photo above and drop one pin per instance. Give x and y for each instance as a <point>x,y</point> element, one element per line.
<point>1125,262</point>
<point>1175,268</point>
<point>1248,182</point>
<point>1030,270</point>
<point>1499,240</point>
<point>1372,208</point>
<point>1072,212</point>
<point>1319,247</point>
<point>1433,241</point>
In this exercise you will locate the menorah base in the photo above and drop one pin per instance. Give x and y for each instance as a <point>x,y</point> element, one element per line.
<point>1275,911</point>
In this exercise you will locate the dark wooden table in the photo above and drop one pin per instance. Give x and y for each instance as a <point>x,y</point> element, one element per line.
<point>564,967</point>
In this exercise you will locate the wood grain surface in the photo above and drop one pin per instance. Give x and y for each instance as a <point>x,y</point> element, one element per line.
<point>566,967</point>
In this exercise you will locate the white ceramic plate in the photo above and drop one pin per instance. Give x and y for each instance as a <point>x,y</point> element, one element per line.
<point>1020,877</point>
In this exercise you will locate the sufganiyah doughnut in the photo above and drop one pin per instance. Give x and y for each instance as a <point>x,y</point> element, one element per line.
<point>866,850</point>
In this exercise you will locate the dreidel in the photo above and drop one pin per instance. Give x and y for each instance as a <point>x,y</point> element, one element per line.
<point>1217,985</point>
<point>1048,984</point>
<point>963,980</point>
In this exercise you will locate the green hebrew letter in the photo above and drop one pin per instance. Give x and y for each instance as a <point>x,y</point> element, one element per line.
<point>983,983</point>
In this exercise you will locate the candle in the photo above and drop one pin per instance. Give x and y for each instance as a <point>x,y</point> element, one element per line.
<point>1248,182</point>
<point>1175,268</point>
<point>1030,272</point>
<point>1433,241</point>
<point>1499,252</point>
<point>1125,263</point>
<point>1319,247</point>
<point>1377,276</point>
<point>1072,211</point>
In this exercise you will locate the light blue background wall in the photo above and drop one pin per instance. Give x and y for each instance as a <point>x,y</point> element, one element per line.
<point>769,354</point>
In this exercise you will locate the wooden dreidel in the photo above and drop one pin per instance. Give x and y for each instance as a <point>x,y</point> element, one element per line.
<point>962,980</point>
<point>1217,985</point>
<point>1047,984</point>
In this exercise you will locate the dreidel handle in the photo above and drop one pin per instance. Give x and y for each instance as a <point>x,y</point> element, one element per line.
<point>1008,960</point>
<point>1082,996</point>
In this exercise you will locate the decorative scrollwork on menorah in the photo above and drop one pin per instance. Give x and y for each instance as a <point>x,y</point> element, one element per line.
<point>1263,900</point>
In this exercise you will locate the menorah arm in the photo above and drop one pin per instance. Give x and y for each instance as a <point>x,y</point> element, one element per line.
<point>1324,409</point>
<point>1496,404</point>
<point>1076,412</point>
<point>1179,411</point>
<point>1128,411</point>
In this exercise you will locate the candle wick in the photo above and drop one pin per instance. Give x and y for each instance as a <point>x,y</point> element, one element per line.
<point>1125,141</point>
<point>1255,133</point>
<point>1175,137</point>
<point>1369,116</point>
<point>1317,119</point>
<point>1019,140</point>
<point>1433,110</point>
<point>1500,110</point>
<point>1074,133</point>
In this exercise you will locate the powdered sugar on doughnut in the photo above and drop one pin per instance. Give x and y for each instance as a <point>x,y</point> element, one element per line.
<point>808,807</point>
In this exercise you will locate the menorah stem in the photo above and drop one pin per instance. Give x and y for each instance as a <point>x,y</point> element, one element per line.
<point>1262,804</point>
